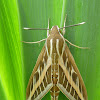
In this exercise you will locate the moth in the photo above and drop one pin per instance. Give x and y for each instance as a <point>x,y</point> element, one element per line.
<point>55,70</point>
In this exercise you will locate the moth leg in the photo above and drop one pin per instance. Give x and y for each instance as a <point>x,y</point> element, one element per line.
<point>64,25</point>
<point>76,45</point>
<point>48,28</point>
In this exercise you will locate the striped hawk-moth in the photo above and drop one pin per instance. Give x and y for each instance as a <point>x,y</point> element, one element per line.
<point>55,71</point>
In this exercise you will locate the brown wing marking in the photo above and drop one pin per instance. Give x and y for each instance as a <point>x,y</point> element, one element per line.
<point>72,84</point>
<point>40,81</point>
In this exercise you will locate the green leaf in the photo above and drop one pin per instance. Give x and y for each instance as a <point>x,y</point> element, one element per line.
<point>11,79</point>
<point>35,13</point>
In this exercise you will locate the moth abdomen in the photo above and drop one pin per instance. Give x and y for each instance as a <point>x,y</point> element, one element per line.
<point>54,90</point>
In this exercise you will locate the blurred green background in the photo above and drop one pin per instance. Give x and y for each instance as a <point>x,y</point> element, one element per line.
<point>18,59</point>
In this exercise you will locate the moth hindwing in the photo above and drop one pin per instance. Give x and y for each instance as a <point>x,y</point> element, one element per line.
<point>56,71</point>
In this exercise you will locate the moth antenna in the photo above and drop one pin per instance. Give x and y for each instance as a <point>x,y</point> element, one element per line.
<point>73,25</point>
<point>26,28</point>
<point>76,45</point>
<point>34,42</point>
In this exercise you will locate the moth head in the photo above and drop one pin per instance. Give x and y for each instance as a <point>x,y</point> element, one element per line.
<point>54,30</point>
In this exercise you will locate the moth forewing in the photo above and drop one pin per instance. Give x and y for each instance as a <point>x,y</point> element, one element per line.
<point>34,70</point>
<point>36,84</point>
<point>77,71</point>
<point>73,78</point>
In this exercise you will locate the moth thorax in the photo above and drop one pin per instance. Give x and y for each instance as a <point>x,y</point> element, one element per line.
<point>55,47</point>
